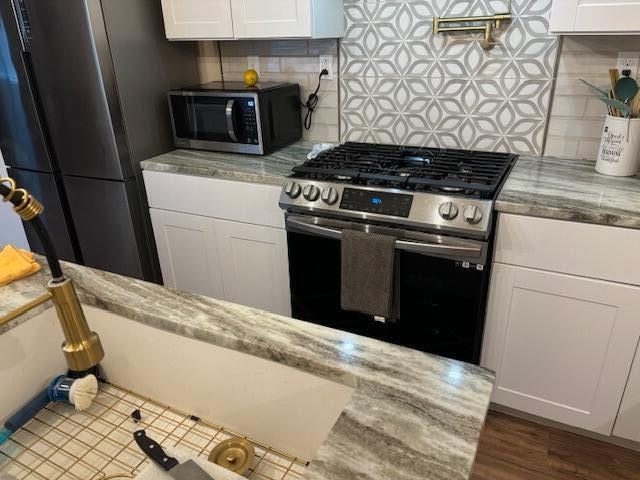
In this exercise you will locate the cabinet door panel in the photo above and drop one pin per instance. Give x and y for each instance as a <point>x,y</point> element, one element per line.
<point>254,265</point>
<point>562,346</point>
<point>197,19</point>
<point>187,251</point>
<point>263,19</point>
<point>628,421</point>
<point>594,16</point>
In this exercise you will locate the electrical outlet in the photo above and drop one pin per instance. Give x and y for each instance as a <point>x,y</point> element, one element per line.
<point>629,61</point>
<point>253,63</point>
<point>326,63</point>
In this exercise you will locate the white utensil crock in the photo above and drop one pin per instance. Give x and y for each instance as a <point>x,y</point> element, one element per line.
<point>619,152</point>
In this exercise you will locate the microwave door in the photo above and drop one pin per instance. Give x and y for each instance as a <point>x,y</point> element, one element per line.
<point>206,118</point>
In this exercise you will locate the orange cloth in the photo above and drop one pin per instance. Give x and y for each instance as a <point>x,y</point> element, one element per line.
<point>16,263</point>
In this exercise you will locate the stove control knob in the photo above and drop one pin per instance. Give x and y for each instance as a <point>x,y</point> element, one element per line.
<point>448,210</point>
<point>329,195</point>
<point>311,193</point>
<point>472,214</point>
<point>292,189</point>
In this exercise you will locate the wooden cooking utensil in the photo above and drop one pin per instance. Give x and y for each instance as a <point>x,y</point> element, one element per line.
<point>611,110</point>
<point>635,106</point>
<point>614,76</point>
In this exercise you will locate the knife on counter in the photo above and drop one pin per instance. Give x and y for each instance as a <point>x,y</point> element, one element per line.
<point>188,470</point>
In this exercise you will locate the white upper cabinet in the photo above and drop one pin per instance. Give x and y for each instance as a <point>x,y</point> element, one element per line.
<point>260,19</point>
<point>242,19</point>
<point>197,19</point>
<point>595,16</point>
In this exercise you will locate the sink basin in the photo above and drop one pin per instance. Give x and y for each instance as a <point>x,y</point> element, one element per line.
<point>276,405</point>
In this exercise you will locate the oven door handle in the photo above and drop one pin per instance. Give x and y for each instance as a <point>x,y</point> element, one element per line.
<point>313,229</point>
<point>474,252</point>
<point>229,114</point>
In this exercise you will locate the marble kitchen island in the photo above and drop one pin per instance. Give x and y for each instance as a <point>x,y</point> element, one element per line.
<point>412,415</point>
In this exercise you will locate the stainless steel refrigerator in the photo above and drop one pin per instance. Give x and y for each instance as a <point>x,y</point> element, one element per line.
<point>82,101</point>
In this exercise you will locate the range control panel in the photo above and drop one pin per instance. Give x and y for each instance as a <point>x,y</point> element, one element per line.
<point>384,203</point>
<point>423,210</point>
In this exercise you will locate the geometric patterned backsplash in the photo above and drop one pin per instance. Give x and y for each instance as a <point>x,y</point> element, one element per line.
<point>401,84</point>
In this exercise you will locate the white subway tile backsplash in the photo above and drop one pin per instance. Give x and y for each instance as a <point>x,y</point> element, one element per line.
<point>234,65</point>
<point>299,64</point>
<point>573,105</point>
<point>324,46</point>
<point>571,85</point>
<point>588,149</point>
<point>575,127</point>
<point>585,63</point>
<point>269,64</point>
<point>279,48</point>
<point>325,116</point>
<point>322,133</point>
<point>595,108</point>
<point>577,115</point>
<point>561,147</point>
<point>208,62</point>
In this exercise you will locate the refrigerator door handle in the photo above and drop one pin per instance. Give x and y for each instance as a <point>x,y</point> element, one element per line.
<point>22,20</point>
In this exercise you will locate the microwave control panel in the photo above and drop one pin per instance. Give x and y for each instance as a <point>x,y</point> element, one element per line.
<point>249,119</point>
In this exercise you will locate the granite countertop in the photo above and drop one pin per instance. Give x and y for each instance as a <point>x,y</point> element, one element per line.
<point>412,415</point>
<point>570,190</point>
<point>550,187</point>
<point>269,169</point>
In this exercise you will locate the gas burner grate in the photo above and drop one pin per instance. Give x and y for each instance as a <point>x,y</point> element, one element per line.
<point>411,168</point>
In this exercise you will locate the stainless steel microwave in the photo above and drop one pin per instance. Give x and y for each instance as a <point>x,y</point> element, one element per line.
<point>230,117</point>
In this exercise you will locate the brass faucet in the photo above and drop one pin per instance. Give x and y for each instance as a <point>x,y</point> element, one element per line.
<point>82,348</point>
<point>490,24</point>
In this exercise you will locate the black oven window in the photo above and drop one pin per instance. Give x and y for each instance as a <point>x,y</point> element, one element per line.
<point>203,118</point>
<point>441,303</point>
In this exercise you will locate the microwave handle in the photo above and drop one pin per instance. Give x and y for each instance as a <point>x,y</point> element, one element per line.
<point>464,252</point>
<point>229,115</point>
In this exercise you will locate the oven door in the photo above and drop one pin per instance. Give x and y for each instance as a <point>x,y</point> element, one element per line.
<point>442,285</point>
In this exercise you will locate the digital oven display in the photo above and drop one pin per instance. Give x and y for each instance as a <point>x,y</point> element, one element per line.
<point>384,203</point>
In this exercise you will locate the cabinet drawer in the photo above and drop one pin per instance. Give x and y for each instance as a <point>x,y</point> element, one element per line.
<point>594,251</point>
<point>211,197</point>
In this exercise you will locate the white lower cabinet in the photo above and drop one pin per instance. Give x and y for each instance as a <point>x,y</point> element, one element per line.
<point>562,346</point>
<point>628,422</point>
<point>188,253</point>
<point>234,261</point>
<point>228,241</point>
<point>254,264</point>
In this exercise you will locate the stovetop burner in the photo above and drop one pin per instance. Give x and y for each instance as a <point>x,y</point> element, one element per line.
<point>469,173</point>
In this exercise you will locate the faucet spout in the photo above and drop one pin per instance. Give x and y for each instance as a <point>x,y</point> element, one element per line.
<point>82,348</point>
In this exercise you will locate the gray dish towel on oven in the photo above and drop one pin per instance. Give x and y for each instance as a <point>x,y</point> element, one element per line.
<point>368,273</point>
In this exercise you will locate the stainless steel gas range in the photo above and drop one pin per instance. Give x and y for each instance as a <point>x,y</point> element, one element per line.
<point>438,206</point>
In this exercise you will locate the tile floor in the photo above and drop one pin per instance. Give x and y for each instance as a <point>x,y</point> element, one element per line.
<point>60,444</point>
